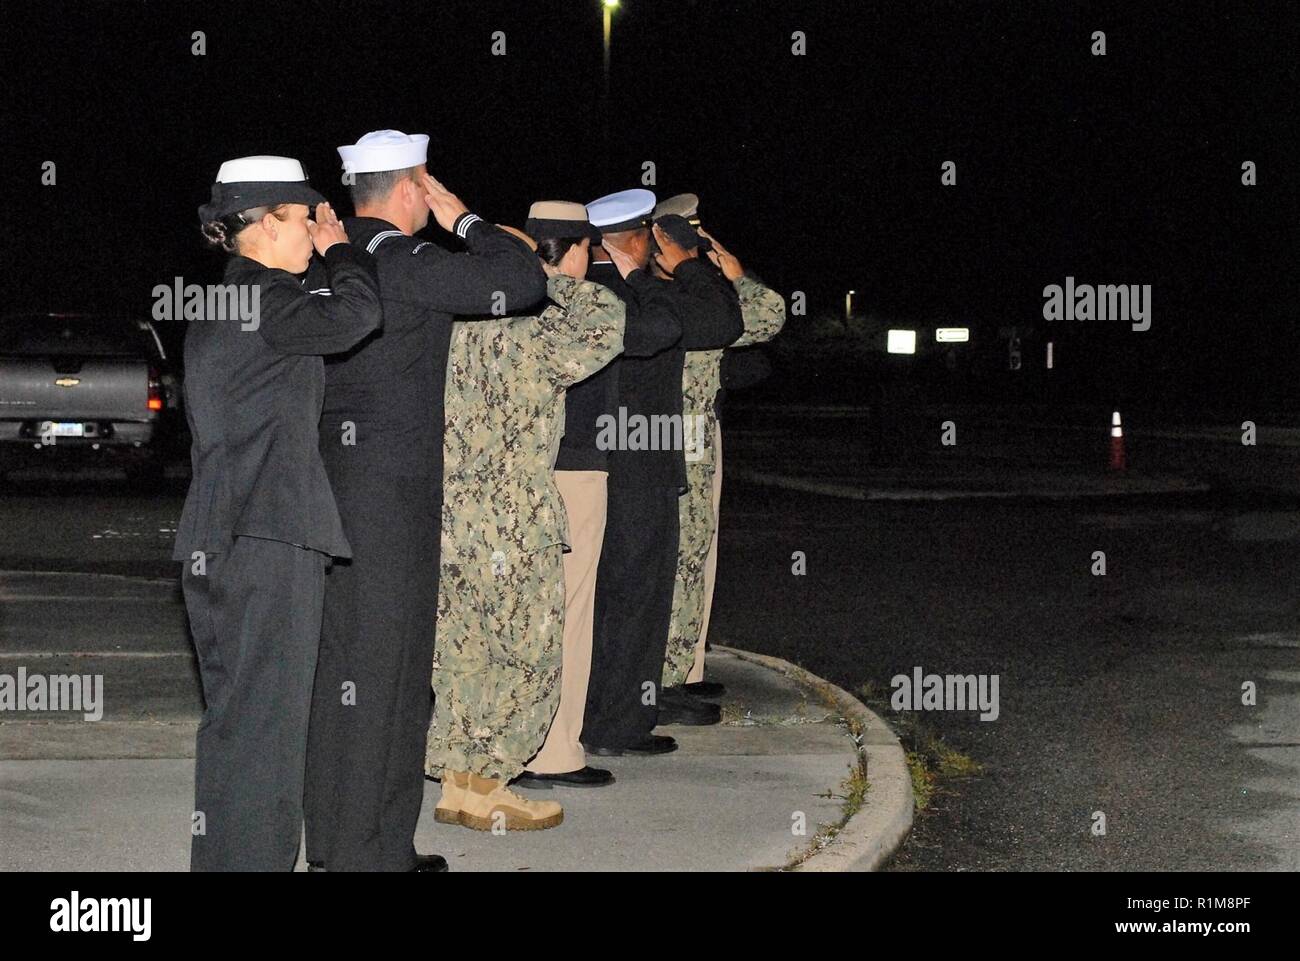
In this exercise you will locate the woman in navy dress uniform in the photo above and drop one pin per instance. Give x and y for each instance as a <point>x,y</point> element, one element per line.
<point>260,524</point>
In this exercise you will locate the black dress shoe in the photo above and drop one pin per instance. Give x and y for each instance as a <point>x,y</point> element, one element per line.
<point>689,711</point>
<point>678,694</point>
<point>585,777</point>
<point>705,689</point>
<point>314,866</point>
<point>650,744</point>
<point>434,863</point>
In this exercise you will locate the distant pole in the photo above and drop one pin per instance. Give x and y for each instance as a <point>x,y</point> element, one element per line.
<point>608,17</point>
<point>609,23</point>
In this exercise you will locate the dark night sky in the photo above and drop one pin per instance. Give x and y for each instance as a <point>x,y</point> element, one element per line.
<point>821,171</point>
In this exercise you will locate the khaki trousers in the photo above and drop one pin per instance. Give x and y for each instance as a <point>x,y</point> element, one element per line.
<point>585,501</point>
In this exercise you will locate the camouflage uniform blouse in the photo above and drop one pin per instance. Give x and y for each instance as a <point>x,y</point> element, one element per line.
<point>763,311</point>
<point>506,380</point>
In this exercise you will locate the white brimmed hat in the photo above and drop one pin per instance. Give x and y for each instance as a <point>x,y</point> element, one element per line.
<point>385,150</point>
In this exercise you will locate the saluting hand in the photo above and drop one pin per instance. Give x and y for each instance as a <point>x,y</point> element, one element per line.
<point>671,253</point>
<point>724,258</point>
<point>327,230</point>
<point>623,262</point>
<point>444,204</point>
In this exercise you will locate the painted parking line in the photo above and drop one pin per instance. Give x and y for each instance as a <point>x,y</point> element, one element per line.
<point>851,492</point>
<point>59,655</point>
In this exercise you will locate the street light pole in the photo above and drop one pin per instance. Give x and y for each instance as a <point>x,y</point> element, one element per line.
<point>608,16</point>
<point>609,6</point>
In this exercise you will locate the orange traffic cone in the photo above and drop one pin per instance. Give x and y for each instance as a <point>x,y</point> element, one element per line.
<point>1117,462</point>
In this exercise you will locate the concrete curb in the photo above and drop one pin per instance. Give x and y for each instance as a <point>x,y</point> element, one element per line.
<point>871,836</point>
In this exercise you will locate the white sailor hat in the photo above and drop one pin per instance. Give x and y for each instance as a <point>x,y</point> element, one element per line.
<point>625,210</point>
<point>385,150</point>
<point>560,220</point>
<point>249,182</point>
<point>684,205</point>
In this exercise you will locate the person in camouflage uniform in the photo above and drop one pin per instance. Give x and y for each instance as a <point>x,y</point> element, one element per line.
<point>501,597</point>
<point>763,312</point>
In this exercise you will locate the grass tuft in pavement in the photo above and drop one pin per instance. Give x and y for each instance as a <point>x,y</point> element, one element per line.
<point>929,759</point>
<point>853,789</point>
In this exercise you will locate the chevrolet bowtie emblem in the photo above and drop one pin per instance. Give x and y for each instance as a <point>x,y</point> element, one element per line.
<point>68,381</point>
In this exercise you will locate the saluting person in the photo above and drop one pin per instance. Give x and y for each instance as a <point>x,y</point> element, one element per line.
<point>694,310</point>
<point>381,437</point>
<point>503,654</point>
<point>260,523</point>
<point>762,311</point>
<point>583,484</point>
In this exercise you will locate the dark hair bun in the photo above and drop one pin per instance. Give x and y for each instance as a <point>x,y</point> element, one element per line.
<point>553,249</point>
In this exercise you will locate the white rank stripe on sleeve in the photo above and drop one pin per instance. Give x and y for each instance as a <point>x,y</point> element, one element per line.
<point>467,220</point>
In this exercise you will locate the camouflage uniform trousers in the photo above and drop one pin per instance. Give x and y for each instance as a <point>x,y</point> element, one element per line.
<point>696,519</point>
<point>496,669</point>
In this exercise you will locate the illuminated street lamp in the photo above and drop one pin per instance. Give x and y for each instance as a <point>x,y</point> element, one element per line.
<point>608,6</point>
<point>848,304</point>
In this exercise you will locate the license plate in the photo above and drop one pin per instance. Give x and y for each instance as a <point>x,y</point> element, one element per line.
<point>66,429</point>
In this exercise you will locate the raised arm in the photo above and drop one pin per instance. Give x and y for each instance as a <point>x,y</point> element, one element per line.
<point>761,308</point>
<point>581,332</point>
<point>654,319</point>
<point>294,321</point>
<point>495,266</point>
<point>498,275</point>
<point>710,307</point>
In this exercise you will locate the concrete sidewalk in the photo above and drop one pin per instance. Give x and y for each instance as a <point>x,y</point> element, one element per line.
<point>115,794</point>
<point>730,797</point>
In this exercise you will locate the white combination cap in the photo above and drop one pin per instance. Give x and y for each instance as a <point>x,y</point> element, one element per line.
<point>624,210</point>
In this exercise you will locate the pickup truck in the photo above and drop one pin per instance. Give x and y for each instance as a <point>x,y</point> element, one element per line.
<point>79,389</point>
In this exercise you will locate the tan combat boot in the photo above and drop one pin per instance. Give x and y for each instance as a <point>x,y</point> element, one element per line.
<point>488,802</point>
<point>453,797</point>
